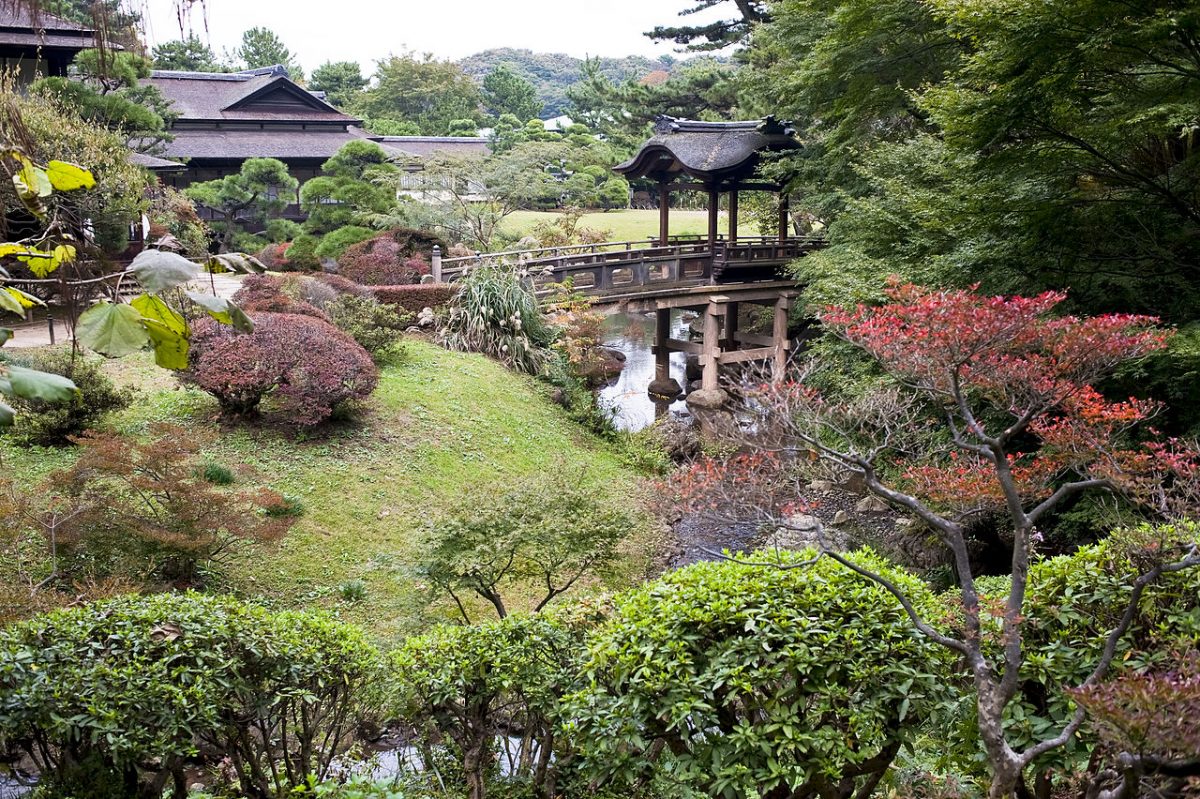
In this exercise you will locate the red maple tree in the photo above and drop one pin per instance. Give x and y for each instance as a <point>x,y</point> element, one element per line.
<point>991,406</point>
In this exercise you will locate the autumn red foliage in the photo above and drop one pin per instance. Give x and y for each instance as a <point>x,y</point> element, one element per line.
<point>266,294</point>
<point>396,258</point>
<point>306,364</point>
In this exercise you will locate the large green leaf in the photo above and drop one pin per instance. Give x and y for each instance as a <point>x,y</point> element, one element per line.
<point>170,346</point>
<point>216,307</point>
<point>112,330</point>
<point>235,262</point>
<point>241,322</point>
<point>158,270</point>
<point>9,303</point>
<point>34,385</point>
<point>6,334</point>
<point>69,177</point>
<point>151,307</point>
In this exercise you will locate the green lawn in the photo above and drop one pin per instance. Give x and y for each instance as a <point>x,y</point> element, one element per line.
<point>627,225</point>
<point>444,431</point>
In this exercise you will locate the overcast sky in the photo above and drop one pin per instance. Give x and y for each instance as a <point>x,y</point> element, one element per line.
<point>366,30</point>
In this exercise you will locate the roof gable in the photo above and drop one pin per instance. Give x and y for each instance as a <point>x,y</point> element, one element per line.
<point>278,96</point>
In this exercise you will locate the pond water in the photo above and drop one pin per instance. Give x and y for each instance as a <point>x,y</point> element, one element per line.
<point>633,334</point>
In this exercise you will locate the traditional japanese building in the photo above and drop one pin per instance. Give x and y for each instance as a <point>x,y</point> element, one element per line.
<point>225,118</point>
<point>41,45</point>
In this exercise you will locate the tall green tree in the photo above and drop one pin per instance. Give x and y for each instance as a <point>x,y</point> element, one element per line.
<point>261,187</point>
<point>719,34</point>
<point>423,90</point>
<point>356,185</point>
<point>506,92</point>
<point>189,55</point>
<point>341,81</point>
<point>262,47</point>
<point>107,90</point>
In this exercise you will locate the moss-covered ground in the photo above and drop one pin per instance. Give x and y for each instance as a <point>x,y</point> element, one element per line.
<point>443,432</point>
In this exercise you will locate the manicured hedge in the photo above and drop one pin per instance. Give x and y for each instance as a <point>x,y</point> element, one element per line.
<point>415,298</point>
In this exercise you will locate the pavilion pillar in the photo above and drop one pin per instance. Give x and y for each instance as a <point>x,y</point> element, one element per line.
<point>733,215</point>
<point>711,395</point>
<point>779,338</point>
<point>785,219</point>
<point>664,215</point>
<point>714,208</point>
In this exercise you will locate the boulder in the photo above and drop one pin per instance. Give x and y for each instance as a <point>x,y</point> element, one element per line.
<point>426,318</point>
<point>872,504</point>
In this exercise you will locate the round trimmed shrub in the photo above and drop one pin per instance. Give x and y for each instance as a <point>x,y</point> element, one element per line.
<point>334,243</point>
<point>274,257</point>
<point>269,294</point>
<point>302,254</point>
<point>111,698</point>
<point>306,364</point>
<point>396,258</point>
<point>757,680</point>
<point>376,327</point>
<point>55,423</point>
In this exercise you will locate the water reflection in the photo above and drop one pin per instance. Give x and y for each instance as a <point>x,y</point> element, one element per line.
<point>633,334</point>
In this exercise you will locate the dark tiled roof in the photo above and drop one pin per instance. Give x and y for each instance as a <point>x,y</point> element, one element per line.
<point>155,164</point>
<point>232,96</point>
<point>241,144</point>
<point>21,28</point>
<point>708,150</point>
<point>22,17</point>
<point>425,146</point>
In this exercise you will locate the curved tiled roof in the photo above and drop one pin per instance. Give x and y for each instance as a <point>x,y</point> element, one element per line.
<point>259,94</point>
<point>708,151</point>
<point>234,145</point>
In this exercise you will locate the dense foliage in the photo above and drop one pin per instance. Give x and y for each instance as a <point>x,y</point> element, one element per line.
<point>55,423</point>
<point>494,311</point>
<point>394,258</point>
<point>519,541</point>
<point>306,365</point>
<point>110,699</point>
<point>749,681</point>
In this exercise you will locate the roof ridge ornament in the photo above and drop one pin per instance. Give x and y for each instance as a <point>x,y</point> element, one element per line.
<point>776,127</point>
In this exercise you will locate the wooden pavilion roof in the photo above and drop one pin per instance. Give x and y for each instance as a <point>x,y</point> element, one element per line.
<point>708,152</point>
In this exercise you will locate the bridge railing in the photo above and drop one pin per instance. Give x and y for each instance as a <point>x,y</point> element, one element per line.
<point>615,265</point>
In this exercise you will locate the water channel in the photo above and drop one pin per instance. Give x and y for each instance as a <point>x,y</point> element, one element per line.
<point>633,335</point>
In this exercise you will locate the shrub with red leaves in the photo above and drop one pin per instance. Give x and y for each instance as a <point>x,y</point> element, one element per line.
<point>266,294</point>
<point>415,298</point>
<point>342,285</point>
<point>306,364</point>
<point>274,256</point>
<point>396,258</point>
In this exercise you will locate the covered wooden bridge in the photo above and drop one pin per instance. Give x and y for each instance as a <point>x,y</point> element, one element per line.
<point>713,274</point>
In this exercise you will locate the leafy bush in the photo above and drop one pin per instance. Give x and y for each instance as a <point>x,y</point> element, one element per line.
<point>496,313</point>
<point>737,680</point>
<point>54,423</point>
<point>334,243</point>
<point>395,258</point>
<point>306,364</point>
<point>267,293</point>
<point>248,242</point>
<point>414,299</point>
<point>376,327</point>
<point>1073,602</point>
<point>118,693</point>
<point>302,255</point>
<point>134,508</point>
<point>342,285</point>
<point>275,257</point>
<point>492,691</point>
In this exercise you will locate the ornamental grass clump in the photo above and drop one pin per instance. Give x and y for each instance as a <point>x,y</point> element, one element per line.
<point>496,313</point>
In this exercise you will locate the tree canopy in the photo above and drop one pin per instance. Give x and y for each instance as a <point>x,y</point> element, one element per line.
<point>422,90</point>
<point>189,55</point>
<point>262,47</point>
<point>340,80</point>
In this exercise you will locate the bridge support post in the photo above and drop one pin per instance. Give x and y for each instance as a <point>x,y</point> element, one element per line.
<point>711,395</point>
<point>664,215</point>
<point>729,334</point>
<point>779,339</point>
<point>663,384</point>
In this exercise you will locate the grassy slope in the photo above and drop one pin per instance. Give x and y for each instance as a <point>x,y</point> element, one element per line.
<point>445,431</point>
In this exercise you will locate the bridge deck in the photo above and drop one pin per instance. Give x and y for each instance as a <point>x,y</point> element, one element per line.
<point>620,271</point>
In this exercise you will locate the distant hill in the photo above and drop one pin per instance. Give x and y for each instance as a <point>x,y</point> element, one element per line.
<point>552,73</point>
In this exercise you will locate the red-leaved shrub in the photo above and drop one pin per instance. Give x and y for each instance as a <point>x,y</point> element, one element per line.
<point>274,256</point>
<point>342,285</point>
<point>266,294</point>
<point>308,365</point>
<point>415,298</point>
<point>395,258</point>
